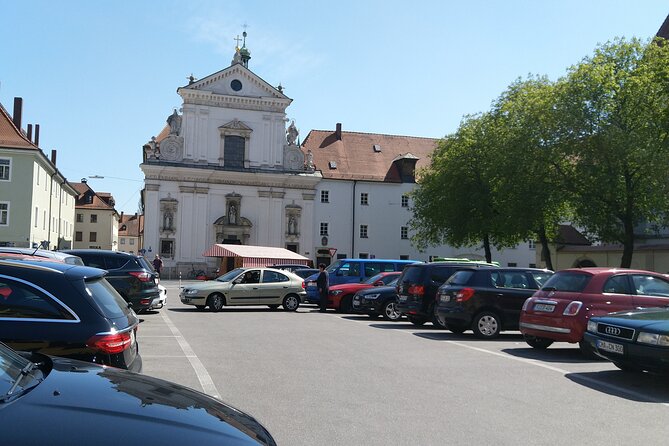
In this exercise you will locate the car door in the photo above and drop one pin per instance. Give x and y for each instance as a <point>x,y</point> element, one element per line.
<point>273,287</point>
<point>615,295</point>
<point>650,290</point>
<point>245,289</point>
<point>512,288</point>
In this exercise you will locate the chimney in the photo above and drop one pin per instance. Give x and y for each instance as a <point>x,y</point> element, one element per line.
<point>30,132</point>
<point>53,157</point>
<point>36,142</point>
<point>18,111</point>
<point>338,131</point>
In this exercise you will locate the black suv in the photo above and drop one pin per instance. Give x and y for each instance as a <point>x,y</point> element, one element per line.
<point>66,310</point>
<point>487,300</point>
<point>417,287</point>
<point>132,276</point>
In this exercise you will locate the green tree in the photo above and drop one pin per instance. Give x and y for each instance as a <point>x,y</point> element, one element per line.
<point>614,118</point>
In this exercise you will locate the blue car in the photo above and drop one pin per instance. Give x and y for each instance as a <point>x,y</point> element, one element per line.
<point>353,271</point>
<point>634,341</point>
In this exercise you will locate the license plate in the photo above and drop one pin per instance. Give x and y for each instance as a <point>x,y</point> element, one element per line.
<point>403,298</point>
<point>610,347</point>
<point>445,298</point>
<point>311,283</point>
<point>185,299</point>
<point>544,307</point>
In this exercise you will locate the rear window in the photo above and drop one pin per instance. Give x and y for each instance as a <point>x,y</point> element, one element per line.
<point>567,281</point>
<point>144,263</point>
<point>413,274</point>
<point>460,278</point>
<point>441,275</point>
<point>108,300</point>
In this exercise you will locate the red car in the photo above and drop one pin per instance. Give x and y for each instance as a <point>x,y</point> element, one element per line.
<point>340,297</point>
<point>560,310</point>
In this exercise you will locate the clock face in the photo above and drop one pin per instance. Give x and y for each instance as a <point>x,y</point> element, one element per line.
<point>169,149</point>
<point>236,84</point>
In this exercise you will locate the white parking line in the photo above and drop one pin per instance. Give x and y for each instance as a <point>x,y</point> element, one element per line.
<point>537,363</point>
<point>206,382</point>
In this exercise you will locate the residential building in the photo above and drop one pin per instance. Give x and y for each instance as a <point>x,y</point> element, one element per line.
<point>36,200</point>
<point>131,233</point>
<point>96,219</point>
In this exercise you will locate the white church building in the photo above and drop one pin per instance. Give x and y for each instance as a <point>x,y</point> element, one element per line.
<point>230,170</point>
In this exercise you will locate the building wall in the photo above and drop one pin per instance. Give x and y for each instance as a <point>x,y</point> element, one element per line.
<point>643,258</point>
<point>105,229</point>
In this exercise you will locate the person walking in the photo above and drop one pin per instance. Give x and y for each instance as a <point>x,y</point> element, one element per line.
<point>158,264</point>
<point>322,285</point>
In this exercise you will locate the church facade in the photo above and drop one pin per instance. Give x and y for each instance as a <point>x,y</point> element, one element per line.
<point>226,170</point>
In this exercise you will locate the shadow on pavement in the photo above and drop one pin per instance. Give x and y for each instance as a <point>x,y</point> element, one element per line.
<point>569,355</point>
<point>640,387</point>
<point>445,335</point>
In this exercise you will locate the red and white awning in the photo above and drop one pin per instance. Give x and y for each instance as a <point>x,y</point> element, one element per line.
<point>256,256</point>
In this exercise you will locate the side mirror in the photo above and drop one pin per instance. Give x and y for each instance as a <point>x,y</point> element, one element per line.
<point>237,280</point>
<point>378,283</point>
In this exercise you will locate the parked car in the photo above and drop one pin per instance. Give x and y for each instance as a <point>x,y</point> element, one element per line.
<point>633,340</point>
<point>131,275</point>
<point>75,402</point>
<point>56,256</point>
<point>560,311</point>
<point>487,300</point>
<point>417,288</point>
<point>290,266</point>
<point>160,301</point>
<point>378,301</point>
<point>306,272</point>
<point>340,297</point>
<point>353,271</point>
<point>247,286</point>
<point>66,310</point>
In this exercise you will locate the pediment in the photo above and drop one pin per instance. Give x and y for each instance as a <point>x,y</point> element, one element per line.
<point>236,80</point>
<point>235,125</point>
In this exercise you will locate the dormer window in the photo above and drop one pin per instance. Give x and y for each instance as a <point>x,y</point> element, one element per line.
<point>332,164</point>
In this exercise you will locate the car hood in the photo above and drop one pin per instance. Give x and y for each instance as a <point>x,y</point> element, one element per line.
<point>208,285</point>
<point>349,287</point>
<point>647,318</point>
<point>378,289</point>
<point>84,402</point>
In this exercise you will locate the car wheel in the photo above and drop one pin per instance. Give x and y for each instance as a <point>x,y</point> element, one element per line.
<point>457,329</point>
<point>345,305</point>
<point>538,343</point>
<point>629,368</point>
<point>487,325</point>
<point>390,312</point>
<point>273,307</point>
<point>200,307</point>
<point>416,320</point>
<point>291,302</point>
<point>216,302</point>
<point>435,319</point>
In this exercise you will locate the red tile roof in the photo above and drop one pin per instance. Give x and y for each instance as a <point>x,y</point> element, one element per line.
<point>134,225</point>
<point>96,203</point>
<point>356,157</point>
<point>10,136</point>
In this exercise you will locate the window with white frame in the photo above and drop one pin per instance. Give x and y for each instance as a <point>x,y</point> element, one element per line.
<point>80,218</point>
<point>405,201</point>
<point>132,241</point>
<point>94,219</point>
<point>324,228</point>
<point>4,213</point>
<point>5,169</point>
<point>404,232</point>
<point>532,244</point>
<point>363,231</point>
<point>122,240</point>
<point>325,196</point>
<point>364,199</point>
<point>36,215</point>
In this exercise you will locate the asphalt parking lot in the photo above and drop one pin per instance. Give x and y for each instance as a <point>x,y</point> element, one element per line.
<point>324,379</point>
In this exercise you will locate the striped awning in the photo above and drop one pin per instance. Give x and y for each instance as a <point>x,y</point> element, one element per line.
<point>256,256</point>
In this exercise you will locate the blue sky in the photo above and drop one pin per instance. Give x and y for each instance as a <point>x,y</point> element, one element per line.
<point>100,77</point>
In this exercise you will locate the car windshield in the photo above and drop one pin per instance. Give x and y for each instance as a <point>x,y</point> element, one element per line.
<point>374,279</point>
<point>227,277</point>
<point>333,267</point>
<point>567,281</point>
<point>393,282</point>
<point>15,372</point>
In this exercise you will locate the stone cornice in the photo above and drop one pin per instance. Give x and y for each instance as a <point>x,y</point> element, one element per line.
<point>239,102</point>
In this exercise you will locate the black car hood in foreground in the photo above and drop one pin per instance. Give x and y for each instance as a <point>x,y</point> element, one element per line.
<point>652,319</point>
<point>378,289</point>
<point>81,403</point>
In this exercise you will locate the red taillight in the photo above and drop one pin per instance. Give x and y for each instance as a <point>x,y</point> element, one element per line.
<point>417,290</point>
<point>145,301</point>
<point>573,308</point>
<point>304,285</point>
<point>142,276</point>
<point>464,294</point>
<point>111,343</point>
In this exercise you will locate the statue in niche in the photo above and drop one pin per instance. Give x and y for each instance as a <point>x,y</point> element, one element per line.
<point>292,225</point>
<point>168,220</point>
<point>292,133</point>
<point>232,215</point>
<point>174,121</point>
<point>310,160</point>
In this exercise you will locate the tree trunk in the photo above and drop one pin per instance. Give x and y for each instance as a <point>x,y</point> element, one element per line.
<point>486,247</point>
<point>628,246</point>
<point>545,250</point>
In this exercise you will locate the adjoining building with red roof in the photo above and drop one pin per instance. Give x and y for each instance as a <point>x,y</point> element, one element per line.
<point>97,222</point>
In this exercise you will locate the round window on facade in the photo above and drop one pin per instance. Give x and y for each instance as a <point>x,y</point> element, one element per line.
<point>236,84</point>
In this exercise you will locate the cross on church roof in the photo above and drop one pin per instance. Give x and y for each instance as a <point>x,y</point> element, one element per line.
<point>238,40</point>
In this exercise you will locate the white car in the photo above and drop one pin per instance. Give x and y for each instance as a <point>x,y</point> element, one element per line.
<point>161,300</point>
<point>247,286</point>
